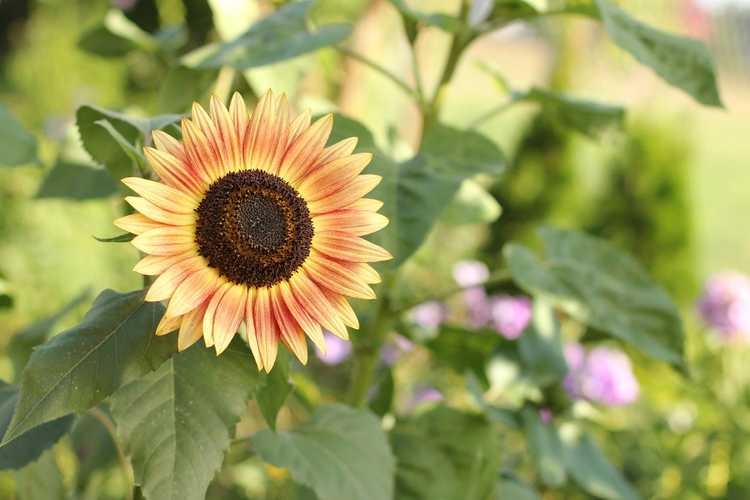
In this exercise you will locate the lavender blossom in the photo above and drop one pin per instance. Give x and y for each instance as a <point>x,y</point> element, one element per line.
<point>603,376</point>
<point>429,315</point>
<point>424,394</point>
<point>725,305</point>
<point>337,350</point>
<point>477,306</point>
<point>469,273</point>
<point>392,351</point>
<point>510,315</point>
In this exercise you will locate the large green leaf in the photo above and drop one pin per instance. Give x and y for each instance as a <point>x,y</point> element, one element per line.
<point>445,454</point>
<point>603,287</point>
<point>105,147</point>
<point>417,191</point>
<point>28,446</point>
<point>177,422</point>
<point>282,35</point>
<point>17,146</point>
<point>541,347</point>
<point>77,369</point>
<point>274,390</point>
<point>22,343</point>
<point>41,480</point>
<point>471,205</point>
<point>684,62</point>
<point>546,448</point>
<point>76,181</point>
<point>590,468</point>
<point>587,117</point>
<point>341,453</point>
<point>507,489</point>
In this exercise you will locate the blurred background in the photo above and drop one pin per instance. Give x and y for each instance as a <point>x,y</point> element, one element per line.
<point>673,188</point>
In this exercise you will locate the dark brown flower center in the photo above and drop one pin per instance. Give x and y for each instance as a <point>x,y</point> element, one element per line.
<point>254,228</point>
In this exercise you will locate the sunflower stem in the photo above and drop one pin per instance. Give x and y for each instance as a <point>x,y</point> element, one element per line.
<point>127,470</point>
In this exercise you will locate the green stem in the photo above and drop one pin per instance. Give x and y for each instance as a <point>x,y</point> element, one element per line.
<point>127,470</point>
<point>483,118</point>
<point>414,94</point>
<point>496,278</point>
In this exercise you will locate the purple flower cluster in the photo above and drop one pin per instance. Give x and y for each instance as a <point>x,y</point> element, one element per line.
<point>507,314</point>
<point>725,305</point>
<point>602,375</point>
<point>337,350</point>
<point>429,315</point>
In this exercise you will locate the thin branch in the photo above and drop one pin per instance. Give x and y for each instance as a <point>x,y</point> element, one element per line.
<point>481,119</point>
<point>127,470</point>
<point>383,71</point>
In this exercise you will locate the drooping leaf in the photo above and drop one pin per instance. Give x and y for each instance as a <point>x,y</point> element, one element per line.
<point>177,422</point>
<point>27,447</point>
<point>589,467</point>
<point>17,146</point>
<point>546,448</point>
<point>603,287</point>
<point>22,343</point>
<point>41,480</point>
<point>471,205</point>
<point>683,62</point>
<point>507,489</point>
<point>115,37</point>
<point>541,346</point>
<point>120,238</point>
<point>76,181</point>
<point>445,454</point>
<point>274,390</point>
<point>282,35</point>
<point>587,117</point>
<point>77,369</point>
<point>104,148</point>
<point>341,453</point>
<point>324,12</point>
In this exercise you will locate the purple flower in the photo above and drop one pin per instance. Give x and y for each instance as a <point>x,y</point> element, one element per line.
<point>725,305</point>
<point>470,273</point>
<point>602,376</point>
<point>337,350</point>
<point>429,315</point>
<point>393,350</point>
<point>510,315</point>
<point>424,394</point>
<point>545,415</point>
<point>477,306</point>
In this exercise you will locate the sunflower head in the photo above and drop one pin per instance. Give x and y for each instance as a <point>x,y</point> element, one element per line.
<point>255,225</point>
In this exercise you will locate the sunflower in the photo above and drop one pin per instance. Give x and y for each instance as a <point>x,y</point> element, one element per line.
<point>256,226</point>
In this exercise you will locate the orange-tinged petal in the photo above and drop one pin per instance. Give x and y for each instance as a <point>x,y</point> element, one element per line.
<point>311,327</point>
<point>332,176</point>
<point>165,285</point>
<point>161,195</point>
<point>343,246</point>
<point>366,204</point>
<point>176,172</point>
<point>356,189</point>
<point>228,141</point>
<point>199,152</point>
<point>159,214</point>
<point>208,317</point>
<point>340,149</point>
<point>250,335</point>
<point>196,288</point>
<point>168,240</point>
<point>299,125</point>
<point>239,115</point>
<point>291,332</point>
<point>266,330</point>
<point>228,317</point>
<point>327,273</point>
<point>365,271</point>
<point>268,132</point>
<point>136,223</point>
<point>310,297</point>
<point>191,328</point>
<point>168,325</point>
<point>151,265</point>
<point>342,306</point>
<point>168,144</point>
<point>305,151</point>
<point>211,131</point>
<point>356,222</point>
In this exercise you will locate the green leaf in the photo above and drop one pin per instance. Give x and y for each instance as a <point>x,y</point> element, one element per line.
<point>41,480</point>
<point>541,347</point>
<point>182,86</point>
<point>546,448</point>
<point>282,35</point>
<point>75,181</point>
<point>382,401</point>
<point>27,447</point>
<point>22,343</point>
<point>445,454</point>
<point>683,62</point>
<point>120,238</point>
<point>274,390</point>
<point>341,453</point>
<point>77,369</point>
<point>590,468</point>
<point>177,422</point>
<point>587,117</point>
<point>324,12</point>
<point>93,446</point>
<point>461,153</point>
<point>105,148</point>
<point>466,350</point>
<point>445,22</point>
<point>17,146</point>
<point>471,205</point>
<point>115,37</point>
<point>6,297</point>
<point>603,287</point>
<point>507,489</point>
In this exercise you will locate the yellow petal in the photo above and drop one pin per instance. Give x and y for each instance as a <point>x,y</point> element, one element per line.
<point>136,223</point>
<point>229,316</point>
<point>191,293</point>
<point>168,325</point>
<point>266,330</point>
<point>191,329</point>
<point>168,240</point>
<point>164,286</point>
<point>161,195</point>
<point>348,194</point>
<point>159,214</point>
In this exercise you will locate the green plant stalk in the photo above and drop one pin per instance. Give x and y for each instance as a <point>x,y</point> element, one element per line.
<point>127,470</point>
